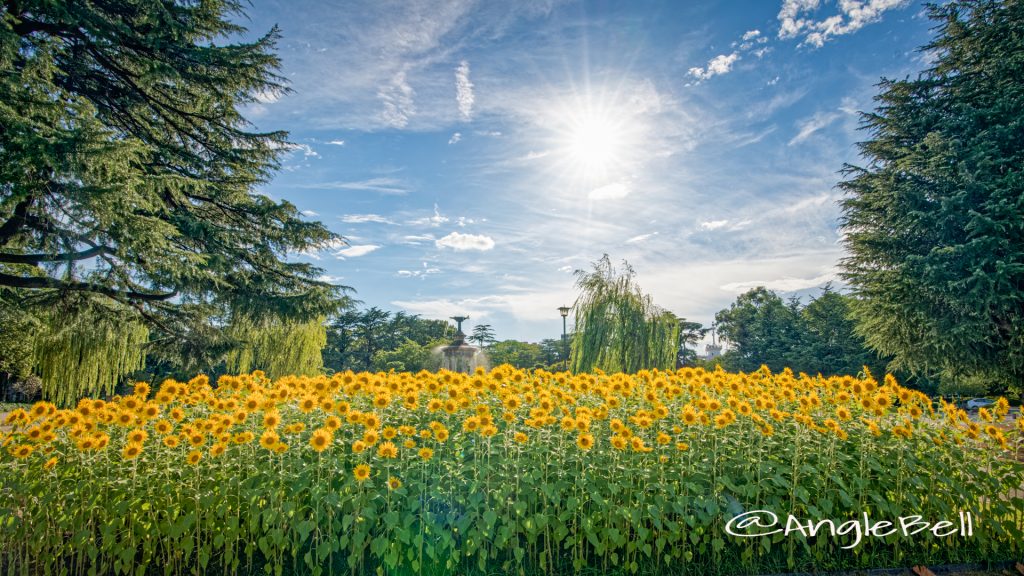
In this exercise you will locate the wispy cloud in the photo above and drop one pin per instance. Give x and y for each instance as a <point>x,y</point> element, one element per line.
<point>336,142</point>
<point>365,218</point>
<point>397,99</point>
<point>641,238</point>
<point>455,138</point>
<point>809,126</point>
<point>464,91</point>
<point>356,251</point>
<point>417,239</point>
<point>794,18</point>
<point>783,284</point>
<point>713,224</point>
<point>462,242</point>
<point>612,191</point>
<point>310,213</point>
<point>380,185</point>
<point>421,273</point>
<point>433,221</point>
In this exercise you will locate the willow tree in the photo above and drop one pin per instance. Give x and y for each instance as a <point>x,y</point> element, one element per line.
<point>84,350</point>
<point>618,327</point>
<point>278,347</point>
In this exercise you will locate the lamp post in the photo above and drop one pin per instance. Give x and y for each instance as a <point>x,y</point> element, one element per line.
<point>564,311</point>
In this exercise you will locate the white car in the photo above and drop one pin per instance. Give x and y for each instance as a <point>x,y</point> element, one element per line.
<point>975,403</point>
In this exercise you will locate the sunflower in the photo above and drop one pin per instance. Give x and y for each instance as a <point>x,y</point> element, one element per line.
<point>131,450</point>
<point>426,453</point>
<point>585,441</point>
<point>50,463</point>
<point>171,441</point>
<point>682,446</point>
<point>619,442</point>
<point>663,439</point>
<point>269,439</point>
<point>387,450</point>
<point>361,472</point>
<point>332,423</point>
<point>22,451</point>
<point>389,433</point>
<point>271,419</point>
<point>307,404</point>
<point>441,435</point>
<point>409,443</point>
<point>321,439</point>
<point>137,436</point>
<point>194,457</point>
<point>394,483</point>
<point>520,437</point>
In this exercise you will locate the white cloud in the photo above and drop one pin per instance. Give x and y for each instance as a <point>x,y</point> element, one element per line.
<point>853,15</point>
<point>612,191</point>
<point>306,149</point>
<point>356,251</point>
<point>751,34</point>
<point>463,221</point>
<point>336,142</point>
<point>461,242</point>
<point>397,98</point>
<point>464,91</point>
<point>309,213</point>
<point>713,224</point>
<point>809,126</point>
<point>433,221</point>
<point>365,218</point>
<point>330,279</point>
<point>718,65</point>
<point>380,185</point>
<point>455,138</point>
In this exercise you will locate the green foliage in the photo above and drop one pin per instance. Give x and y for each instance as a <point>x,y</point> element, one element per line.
<point>761,329</point>
<point>128,173</point>
<point>817,338</point>
<point>516,353</point>
<point>355,338</point>
<point>934,222</point>
<point>409,356</point>
<point>16,342</point>
<point>278,347</point>
<point>618,327</point>
<point>82,350</point>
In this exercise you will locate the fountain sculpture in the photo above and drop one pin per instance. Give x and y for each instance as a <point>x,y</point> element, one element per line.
<point>459,356</point>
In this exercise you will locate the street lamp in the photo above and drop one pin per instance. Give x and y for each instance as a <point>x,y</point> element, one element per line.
<point>564,311</point>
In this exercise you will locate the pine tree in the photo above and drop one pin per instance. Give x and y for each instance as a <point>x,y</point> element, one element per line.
<point>128,174</point>
<point>934,221</point>
<point>126,170</point>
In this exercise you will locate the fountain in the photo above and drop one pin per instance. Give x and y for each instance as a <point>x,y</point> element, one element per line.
<point>459,356</point>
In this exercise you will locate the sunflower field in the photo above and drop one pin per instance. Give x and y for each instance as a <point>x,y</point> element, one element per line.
<point>507,471</point>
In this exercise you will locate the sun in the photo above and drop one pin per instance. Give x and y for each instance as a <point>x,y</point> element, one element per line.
<point>593,142</point>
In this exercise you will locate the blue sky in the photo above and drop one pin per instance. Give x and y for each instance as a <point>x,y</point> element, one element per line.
<point>474,154</point>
